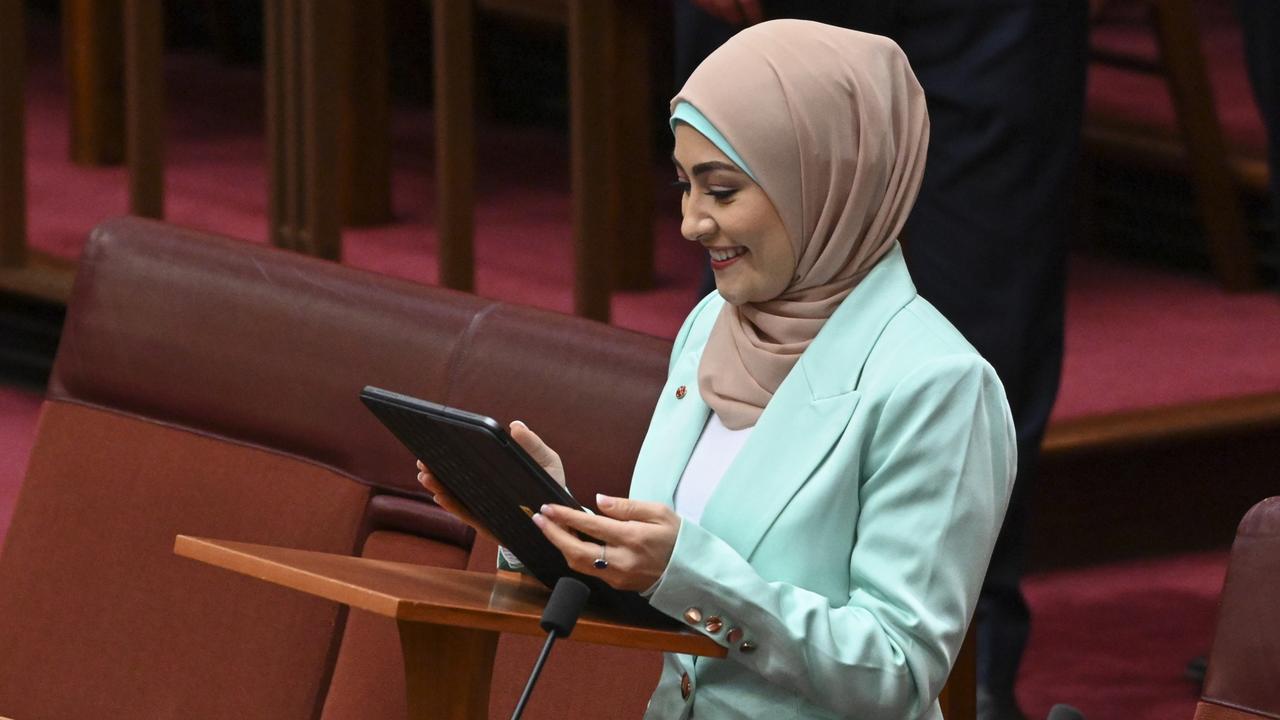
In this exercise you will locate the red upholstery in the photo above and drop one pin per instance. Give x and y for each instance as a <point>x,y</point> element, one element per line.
<point>210,386</point>
<point>1244,665</point>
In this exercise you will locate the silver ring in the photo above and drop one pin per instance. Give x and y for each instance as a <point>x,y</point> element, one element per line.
<point>600,563</point>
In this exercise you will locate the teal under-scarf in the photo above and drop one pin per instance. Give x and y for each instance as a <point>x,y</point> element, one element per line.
<point>688,114</point>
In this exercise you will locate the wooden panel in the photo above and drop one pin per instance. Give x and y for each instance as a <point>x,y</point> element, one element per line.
<point>455,142</point>
<point>94,54</point>
<point>454,690</point>
<point>13,159</point>
<point>144,98</point>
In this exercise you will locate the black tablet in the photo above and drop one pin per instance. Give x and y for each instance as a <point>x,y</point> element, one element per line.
<point>494,478</point>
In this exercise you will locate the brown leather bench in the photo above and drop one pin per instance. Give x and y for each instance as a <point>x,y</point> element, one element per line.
<point>210,386</point>
<point>1243,682</point>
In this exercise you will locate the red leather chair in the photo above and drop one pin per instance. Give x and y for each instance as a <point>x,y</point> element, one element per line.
<point>1243,682</point>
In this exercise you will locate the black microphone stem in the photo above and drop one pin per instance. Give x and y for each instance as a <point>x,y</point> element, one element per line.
<point>533,677</point>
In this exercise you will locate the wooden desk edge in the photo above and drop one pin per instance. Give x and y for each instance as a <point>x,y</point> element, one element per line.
<point>213,552</point>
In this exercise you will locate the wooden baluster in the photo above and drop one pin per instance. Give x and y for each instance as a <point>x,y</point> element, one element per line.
<point>591,76</point>
<point>92,45</point>
<point>1231,250</point>
<point>455,142</point>
<point>302,127</point>
<point>633,137</point>
<point>364,118</point>
<point>144,100</point>
<point>13,164</point>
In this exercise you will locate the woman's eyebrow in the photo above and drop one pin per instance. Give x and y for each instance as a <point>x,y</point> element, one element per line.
<point>706,167</point>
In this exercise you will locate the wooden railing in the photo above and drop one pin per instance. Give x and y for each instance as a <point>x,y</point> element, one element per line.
<point>327,126</point>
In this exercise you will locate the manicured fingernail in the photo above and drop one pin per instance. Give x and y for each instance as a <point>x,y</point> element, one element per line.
<point>520,423</point>
<point>603,501</point>
<point>422,477</point>
<point>545,510</point>
<point>539,520</point>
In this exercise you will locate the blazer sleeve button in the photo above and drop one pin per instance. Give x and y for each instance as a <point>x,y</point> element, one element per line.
<point>714,624</point>
<point>693,616</point>
<point>747,647</point>
<point>734,636</point>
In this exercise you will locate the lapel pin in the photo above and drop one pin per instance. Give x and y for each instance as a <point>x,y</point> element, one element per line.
<point>680,392</point>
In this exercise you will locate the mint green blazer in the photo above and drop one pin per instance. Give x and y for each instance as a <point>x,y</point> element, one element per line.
<point>840,557</point>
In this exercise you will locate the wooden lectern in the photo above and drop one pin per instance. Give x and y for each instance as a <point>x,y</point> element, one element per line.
<point>440,612</point>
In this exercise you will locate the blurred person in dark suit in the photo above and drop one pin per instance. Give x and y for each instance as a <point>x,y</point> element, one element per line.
<point>1260,21</point>
<point>987,240</point>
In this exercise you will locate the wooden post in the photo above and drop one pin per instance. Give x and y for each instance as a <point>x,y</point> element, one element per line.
<point>92,47</point>
<point>13,161</point>
<point>632,136</point>
<point>458,687</point>
<point>144,100</point>
<point>455,142</point>
<point>1231,250</point>
<point>591,77</point>
<point>302,127</point>
<point>364,117</point>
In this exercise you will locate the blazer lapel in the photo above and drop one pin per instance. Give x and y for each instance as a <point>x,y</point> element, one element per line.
<point>674,431</point>
<point>788,443</point>
<point>808,414</point>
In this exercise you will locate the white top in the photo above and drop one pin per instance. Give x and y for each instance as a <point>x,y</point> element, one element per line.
<point>715,451</point>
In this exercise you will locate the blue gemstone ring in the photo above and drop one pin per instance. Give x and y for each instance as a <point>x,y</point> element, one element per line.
<point>600,562</point>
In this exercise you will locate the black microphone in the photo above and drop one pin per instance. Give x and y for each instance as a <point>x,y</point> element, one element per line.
<point>558,619</point>
<point>1064,712</point>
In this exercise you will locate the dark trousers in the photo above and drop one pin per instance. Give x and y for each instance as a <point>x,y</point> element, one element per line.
<point>1260,21</point>
<point>986,242</point>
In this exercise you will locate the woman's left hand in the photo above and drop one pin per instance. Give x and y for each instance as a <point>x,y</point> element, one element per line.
<point>639,537</point>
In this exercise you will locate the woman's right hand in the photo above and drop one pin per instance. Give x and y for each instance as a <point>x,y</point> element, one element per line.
<point>532,444</point>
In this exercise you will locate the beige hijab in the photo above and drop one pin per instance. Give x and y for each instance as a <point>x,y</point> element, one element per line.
<point>832,123</point>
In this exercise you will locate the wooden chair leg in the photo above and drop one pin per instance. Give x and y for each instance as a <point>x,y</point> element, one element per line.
<point>1231,250</point>
<point>455,142</point>
<point>92,45</point>
<point>13,160</point>
<point>593,164</point>
<point>144,98</point>
<point>633,142</point>
<point>364,119</point>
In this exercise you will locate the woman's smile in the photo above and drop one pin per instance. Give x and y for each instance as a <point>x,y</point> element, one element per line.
<point>723,257</point>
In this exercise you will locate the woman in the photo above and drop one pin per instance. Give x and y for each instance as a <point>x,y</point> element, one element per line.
<point>828,465</point>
